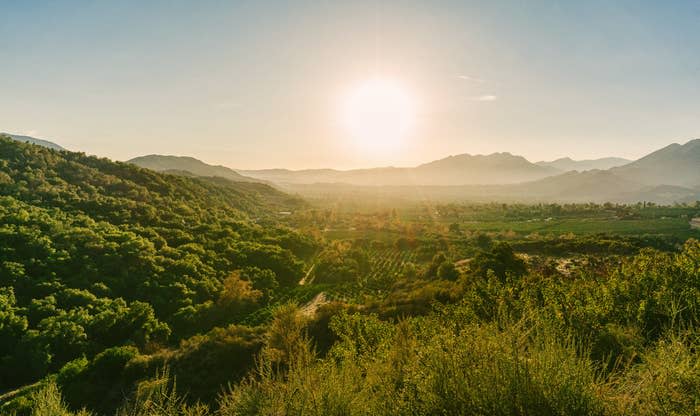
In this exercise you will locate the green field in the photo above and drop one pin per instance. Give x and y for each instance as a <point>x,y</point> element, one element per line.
<point>679,227</point>
<point>666,226</point>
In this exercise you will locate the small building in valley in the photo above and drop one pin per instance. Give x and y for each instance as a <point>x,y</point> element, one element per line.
<point>695,223</point>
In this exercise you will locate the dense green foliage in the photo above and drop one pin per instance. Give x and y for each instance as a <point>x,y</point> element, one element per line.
<point>96,254</point>
<point>597,343</point>
<point>128,292</point>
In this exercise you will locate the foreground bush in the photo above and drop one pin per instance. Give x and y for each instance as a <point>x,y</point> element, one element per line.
<point>440,364</point>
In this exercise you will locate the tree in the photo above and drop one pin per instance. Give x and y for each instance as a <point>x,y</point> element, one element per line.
<point>448,271</point>
<point>483,241</point>
<point>410,271</point>
<point>501,260</point>
<point>438,260</point>
<point>403,243</point>
<point>237,293</point>
<point>263,280</point>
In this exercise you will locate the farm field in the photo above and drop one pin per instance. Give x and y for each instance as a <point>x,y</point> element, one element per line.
<point>665,226</point>
<point>386,266</point>
<point>582,226</point>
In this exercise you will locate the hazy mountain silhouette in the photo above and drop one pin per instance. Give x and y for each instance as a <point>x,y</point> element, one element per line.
<point>669,175</point>
<point>187,166</point>
<point>566,164</point>
<point>602,186</point>
<point>590,186</point>
<point>675,164</point>
<point>464,169</point>
<point>33,140</point>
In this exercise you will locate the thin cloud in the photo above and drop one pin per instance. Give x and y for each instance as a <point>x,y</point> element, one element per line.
<point>486,98</point>
<point>471,79</point>
<point>30,133</point>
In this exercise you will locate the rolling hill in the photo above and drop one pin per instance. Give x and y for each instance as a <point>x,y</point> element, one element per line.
<point>178,164</point>
<point>71,173</point>
<point>33,140</point>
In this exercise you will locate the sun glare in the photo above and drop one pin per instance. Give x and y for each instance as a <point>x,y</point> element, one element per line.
<point>378,114</point>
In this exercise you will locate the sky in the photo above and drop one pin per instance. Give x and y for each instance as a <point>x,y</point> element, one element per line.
<point>261,84</point>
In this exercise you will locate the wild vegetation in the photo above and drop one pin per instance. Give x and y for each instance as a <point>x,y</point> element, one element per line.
<point>129,292</point>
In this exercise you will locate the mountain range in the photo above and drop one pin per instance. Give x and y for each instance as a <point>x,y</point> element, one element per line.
<point>464,169</point>
<point>675,164</point>
<point>668,175</point>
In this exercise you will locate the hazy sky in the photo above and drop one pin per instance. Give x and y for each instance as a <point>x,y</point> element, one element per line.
<point>253,84</point>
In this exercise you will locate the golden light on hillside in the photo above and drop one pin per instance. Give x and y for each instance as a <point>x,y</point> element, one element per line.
<point>378,114</point>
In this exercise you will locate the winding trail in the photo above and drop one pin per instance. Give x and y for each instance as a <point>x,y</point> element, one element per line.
<point>9,395</point>
<point>304,280</point>
<point>310,308</point>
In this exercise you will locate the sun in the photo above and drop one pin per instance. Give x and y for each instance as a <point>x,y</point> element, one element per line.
<point>379,114</point>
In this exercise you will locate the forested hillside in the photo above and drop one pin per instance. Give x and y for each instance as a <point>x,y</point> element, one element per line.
<point>196,167</point>
<point>96,254</point>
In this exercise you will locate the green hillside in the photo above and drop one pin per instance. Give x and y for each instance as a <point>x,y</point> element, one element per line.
<point>175,164</point>
<point>96,254</point>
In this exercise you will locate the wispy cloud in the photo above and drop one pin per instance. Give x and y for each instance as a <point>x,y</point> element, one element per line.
<point>470,78</point>
<point>486,98</point>
<point>30,133</point>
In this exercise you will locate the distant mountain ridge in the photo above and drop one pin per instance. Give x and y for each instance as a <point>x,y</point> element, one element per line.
<point>675,164</point>
<point>597,186</point>
<point>666,176</point>
<point>33,140</point>
<point>182,165</point>
<point>566,164</point>
<point>464,169</point>
<point>105,180</point>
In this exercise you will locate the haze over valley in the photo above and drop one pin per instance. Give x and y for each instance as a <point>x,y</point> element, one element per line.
<point>390,208</point>
<point>669,175</point>
<point>666,176</point>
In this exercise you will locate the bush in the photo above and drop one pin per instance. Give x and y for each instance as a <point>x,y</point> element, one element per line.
<point>501,260</point>
<point>430,367</point>
<point>448,271</point>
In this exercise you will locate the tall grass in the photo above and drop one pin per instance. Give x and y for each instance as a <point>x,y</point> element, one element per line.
<point>158,397</point>
<point>47,401</point>
<point>666,382</point>
<point>426,368</point>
